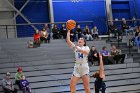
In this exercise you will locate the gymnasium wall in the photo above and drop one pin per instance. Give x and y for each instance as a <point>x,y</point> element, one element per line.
<point>132,7</point>
<point>123,9</point>
<point>35,11</point>
<point>84,10</point>
<point>137,8</point>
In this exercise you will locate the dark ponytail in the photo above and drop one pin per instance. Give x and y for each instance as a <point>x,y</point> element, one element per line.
<point>85,42</point>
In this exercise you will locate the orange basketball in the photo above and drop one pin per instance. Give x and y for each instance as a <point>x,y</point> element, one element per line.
<point>70,24</point>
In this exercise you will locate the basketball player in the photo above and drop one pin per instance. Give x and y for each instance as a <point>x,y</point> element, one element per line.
<point>81,68</point>
<point>99,84</point>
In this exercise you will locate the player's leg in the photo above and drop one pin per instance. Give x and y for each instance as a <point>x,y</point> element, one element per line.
<point>73,82</point>
<point>86,84</point>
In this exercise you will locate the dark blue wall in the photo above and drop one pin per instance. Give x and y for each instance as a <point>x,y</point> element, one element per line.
<point>35,11</point>
<point>121,9</point>
<point>124,9</point>
<point>137,8</point>
<point>85,10</point>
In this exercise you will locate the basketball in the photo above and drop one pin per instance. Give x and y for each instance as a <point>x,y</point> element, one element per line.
<point>70,24</point>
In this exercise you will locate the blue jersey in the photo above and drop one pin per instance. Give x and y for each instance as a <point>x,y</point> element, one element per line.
<point>105,52</point>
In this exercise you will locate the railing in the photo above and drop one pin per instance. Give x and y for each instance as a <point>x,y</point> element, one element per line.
<point>130,22</point>
<point>27,30</point>
<point>118,24</point>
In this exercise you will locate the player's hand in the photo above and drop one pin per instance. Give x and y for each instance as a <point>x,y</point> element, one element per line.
<point>68,30</point>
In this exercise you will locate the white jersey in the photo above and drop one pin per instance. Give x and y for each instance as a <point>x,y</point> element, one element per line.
<point>80,57</point>
<point>81,66</point>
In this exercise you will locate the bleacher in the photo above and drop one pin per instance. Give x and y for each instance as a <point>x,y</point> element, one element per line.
<point>49,67</point>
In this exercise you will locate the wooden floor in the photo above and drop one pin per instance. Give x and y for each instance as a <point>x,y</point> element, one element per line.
<point>49,67</point>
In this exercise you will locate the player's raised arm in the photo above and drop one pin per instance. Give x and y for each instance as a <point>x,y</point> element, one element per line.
<point>102,74</point>
<point>68,39</point>
<point>70,24</point>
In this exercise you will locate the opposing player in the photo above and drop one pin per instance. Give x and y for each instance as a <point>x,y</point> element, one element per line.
<point>99,84</point>
<point>81,68</point>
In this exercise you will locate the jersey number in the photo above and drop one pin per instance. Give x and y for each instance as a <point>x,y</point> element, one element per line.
<point>80,55</point>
